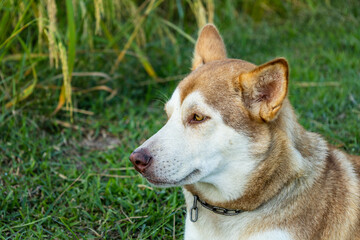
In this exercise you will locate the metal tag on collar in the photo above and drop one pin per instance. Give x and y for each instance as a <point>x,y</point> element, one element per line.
<point>194,211</point>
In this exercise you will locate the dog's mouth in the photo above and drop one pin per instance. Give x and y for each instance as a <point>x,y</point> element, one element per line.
<point>183,181</point>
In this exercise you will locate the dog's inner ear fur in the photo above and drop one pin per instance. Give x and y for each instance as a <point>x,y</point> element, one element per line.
<point>264,89</point>
<point>209,47</point>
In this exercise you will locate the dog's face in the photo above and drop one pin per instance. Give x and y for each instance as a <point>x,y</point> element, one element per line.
<point>215,118</point>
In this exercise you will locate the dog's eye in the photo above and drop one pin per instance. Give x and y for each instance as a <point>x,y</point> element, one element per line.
<point>197,118</point>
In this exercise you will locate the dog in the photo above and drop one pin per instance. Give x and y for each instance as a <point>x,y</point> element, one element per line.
<point>248,169</point>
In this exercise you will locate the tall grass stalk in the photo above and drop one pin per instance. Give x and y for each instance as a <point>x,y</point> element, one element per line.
<point>53,51</point>
<point>99,11</point>
<point>66,79</point>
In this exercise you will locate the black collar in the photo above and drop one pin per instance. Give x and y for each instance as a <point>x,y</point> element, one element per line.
<point>194,211</point>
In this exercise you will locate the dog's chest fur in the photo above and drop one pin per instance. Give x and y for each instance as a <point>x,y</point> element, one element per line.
<point>214,226</point>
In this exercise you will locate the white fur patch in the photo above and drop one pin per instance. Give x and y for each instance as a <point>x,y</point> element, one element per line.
<point>271,235</point>
<point>211,226</point>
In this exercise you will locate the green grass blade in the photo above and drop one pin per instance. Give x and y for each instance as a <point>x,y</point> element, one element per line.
<point>15,33</point>
<point>68,228</point>
<point>144,61</point>
<point>4,23</point>
<point>180,31</point>
<point>16,29</point>
<point>25,93</point>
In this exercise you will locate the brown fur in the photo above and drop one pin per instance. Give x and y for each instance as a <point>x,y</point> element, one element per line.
<point>318,201</point>
<point>266,86</point>
<point>209,39</point>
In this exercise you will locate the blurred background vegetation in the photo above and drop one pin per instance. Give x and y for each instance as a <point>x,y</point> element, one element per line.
<point>48,47</point>
<point>82,83</point>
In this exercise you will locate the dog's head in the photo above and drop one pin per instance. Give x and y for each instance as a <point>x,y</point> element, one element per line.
<point>218,118</point>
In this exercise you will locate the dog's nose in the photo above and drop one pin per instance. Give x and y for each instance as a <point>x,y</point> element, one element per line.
<point>141,159</point>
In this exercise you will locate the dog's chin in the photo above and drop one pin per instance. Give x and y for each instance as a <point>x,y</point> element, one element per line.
<point>191,178</point>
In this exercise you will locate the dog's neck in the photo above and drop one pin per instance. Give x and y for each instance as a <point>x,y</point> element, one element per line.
<point>285,162</point>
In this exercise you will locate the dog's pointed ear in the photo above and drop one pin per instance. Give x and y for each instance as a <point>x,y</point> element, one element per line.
<point>209,46</point>
<point>264,89</point>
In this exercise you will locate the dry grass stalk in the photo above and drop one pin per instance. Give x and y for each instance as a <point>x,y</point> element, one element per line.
<point>99,11</point>
<point>53,53</point>
<point>69,125</point>
<point>135,217</point>
<point>111,175</point>
<point>210,10</point>
<point>66,79</point>
<point>82,111</point>
<point>317,84</point>
<point>142,187</point>
<point>121,169</point>
<point>199,12</point>
<point>77,179</point>
<point>133,35</point>
<point>174,235</point>
<point>84,74</point>
<point>40,23</point>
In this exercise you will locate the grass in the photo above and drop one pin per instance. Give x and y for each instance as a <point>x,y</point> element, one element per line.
<point>73,180</point>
